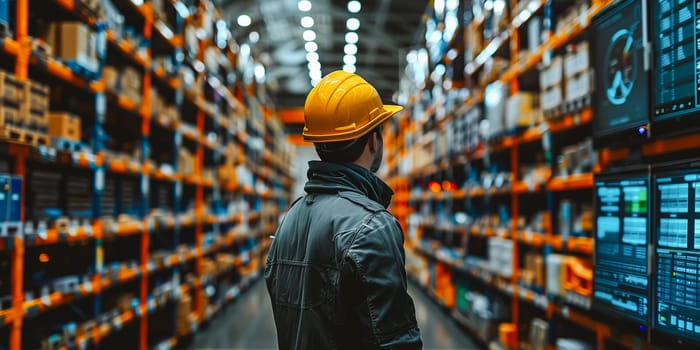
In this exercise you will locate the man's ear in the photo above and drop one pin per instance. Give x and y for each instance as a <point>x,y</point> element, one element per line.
<point>374,142</point>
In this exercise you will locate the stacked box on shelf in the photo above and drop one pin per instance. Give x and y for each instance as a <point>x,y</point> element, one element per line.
<point>579,77</point>
<point>64,126</point>
<point>75,44</point>
<point>551,89</point>
<point>522,111</point>
<point>500,252</point>
<point>126,82</point>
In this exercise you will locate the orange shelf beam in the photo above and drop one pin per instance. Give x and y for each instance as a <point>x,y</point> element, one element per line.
<point>570,183</point>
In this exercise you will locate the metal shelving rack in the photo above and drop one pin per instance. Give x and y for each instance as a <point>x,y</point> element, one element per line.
<point>249,243</point>
<point>511,148</point>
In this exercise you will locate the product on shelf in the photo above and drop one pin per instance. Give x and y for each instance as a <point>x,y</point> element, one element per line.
<point>577,159</point>
<point>124,82</point>
<point>522,111</point>
<point>10,204</point>
<point>500,253</point>
<point>532,275</point>
<point>539,335</point>
<point>555,274</point>
<point>572,344</point>
<point>64,126</point>
<point>184,314</point>
<point>75,44</point>
<point>575,219</point>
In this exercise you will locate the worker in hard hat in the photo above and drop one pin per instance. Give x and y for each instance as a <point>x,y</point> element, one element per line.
<point>335,270</point>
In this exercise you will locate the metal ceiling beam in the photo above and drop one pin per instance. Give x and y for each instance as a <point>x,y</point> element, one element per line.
<point>379,25</point>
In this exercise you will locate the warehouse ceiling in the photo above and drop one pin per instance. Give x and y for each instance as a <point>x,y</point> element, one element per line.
<point>387,29</point>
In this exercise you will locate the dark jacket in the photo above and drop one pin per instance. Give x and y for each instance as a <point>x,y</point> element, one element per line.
<point>335,271</point>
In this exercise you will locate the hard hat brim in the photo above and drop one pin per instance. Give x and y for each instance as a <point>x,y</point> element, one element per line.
<point>389,111</point>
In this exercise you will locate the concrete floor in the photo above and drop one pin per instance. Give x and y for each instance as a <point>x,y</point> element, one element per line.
<point>248,324</point>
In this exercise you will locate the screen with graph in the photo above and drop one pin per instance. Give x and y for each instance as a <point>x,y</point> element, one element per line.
<point>677,227</point>
<point>621,277</point>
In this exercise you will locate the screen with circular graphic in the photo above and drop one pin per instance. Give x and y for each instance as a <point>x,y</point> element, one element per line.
<point>622,92</point>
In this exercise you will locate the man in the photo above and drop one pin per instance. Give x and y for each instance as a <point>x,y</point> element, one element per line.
<point>335,271</point>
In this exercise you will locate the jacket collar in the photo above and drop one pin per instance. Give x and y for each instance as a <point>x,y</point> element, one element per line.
<point>326,177</point>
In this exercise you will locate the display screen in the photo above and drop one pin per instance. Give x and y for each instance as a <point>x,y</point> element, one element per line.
<point>675,58</point>
<point>621,276</point>
<point>622,80</point>
<point>677,227</point>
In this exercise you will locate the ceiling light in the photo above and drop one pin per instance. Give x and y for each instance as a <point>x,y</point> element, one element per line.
<point>314,65</point>
<point>259,72</point>
<point>312,56</point>
<point>353,24</point>
<point>244,20</point>
<point>350,49</point>
<point>311,46</point>
<point>309,35</point>
<point>307,22</point>
<point>254,37</point>
<point>349,68</point>
<point>315,74</point>
<point>351,38</point>
<point>354,6</point>
<point>304,5</point>
<point>349,59</point>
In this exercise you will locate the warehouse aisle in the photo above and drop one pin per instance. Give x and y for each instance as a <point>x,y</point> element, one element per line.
<point>248,324</point>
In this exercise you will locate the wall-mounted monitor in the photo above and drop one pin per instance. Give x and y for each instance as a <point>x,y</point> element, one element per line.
<point>621,103</point>
<point>621,282</point>
<point>676,78</point>
<point>676,313</point>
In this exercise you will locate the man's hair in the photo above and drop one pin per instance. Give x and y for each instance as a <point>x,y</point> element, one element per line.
<point>344,151</point>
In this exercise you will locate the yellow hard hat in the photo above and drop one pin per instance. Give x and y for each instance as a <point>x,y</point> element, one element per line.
<point>343,107</point>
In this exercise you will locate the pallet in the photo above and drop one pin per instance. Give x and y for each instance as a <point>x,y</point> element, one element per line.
<point>62,144</point>
<point>24,136</point>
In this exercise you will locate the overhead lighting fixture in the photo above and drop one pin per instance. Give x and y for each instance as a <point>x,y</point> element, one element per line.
<point>352,24</point>
<point>304,5</point>
<point>254,37</point>
<point>311,46</point>
<point>244,20</point>
<point>259,73</point>
<point>312,56</point>
<point>314,65</point>
<point>350,49</point>
<point>309,35</point>
<point>315,74</point>
<point>307,22</point>
<point>351,38</point>
<point>354,6</point>
<point>349,68</point>
<point>349,59</point>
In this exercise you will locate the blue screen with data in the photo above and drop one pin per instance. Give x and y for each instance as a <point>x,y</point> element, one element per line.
<point>621,279</point>
<point>677,235</point>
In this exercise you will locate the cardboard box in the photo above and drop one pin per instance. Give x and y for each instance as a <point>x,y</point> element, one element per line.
<point>64,125</point>
<point>577,60</point>
<point>184,309</point>
<point>74,41</point>
<point>552,75</point>
<point>551,98</point>
<point>12,90</point>
<point>110,75</point>
<point>579,86</point>
<point>521,110</point>
<point>10,116</point>
<point>38,97</point>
